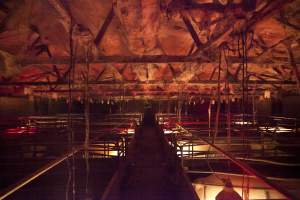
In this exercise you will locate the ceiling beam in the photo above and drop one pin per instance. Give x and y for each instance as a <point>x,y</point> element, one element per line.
<point>63,12</point>
<point>294,65</point>
<point>189,5</point>
<point>128,83</point>
<point>140,93</point>
<point>152,59</point>
<point>266,11</point>
<point>192,31</point>
<point>104,27</point>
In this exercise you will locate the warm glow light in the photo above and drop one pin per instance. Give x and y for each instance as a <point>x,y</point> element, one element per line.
<point>104,151</point>
<point>189,148</point>
<point>242,123</point>
<point>130,131</point>
<point>267,94</point>
<point>27,91</point>
<point>208,188</point>
<point>212,191</point>
<point>278,129</point>
<point>166,131</point>
<point>54,96</point>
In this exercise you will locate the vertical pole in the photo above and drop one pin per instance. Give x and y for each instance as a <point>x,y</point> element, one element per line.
<point>169,106</point>
<point>104,148</point>
<point>71,169</point>
<point>219,100</point>
<point>118,150</point>
<point>228,103</point>
<point>192,149</point>
<point>209,119</point>
<point>297,129</point>
<point>87,104</point>
<point>228,121</point>
<point>181,150</point>
<point>87,117</point>
<point>189,149</point>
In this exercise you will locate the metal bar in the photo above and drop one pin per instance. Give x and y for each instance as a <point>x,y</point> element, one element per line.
<point>241,175</point>
<point>151,59</point>
<point>273,6</point>
<point>63,12</point>
<point>10,190</point>
<point>294,65</point>
<point>129,83</point>
<point>104,27</point>
<point>246,168</point>
<point>216,7</point>
<point>192,31</point>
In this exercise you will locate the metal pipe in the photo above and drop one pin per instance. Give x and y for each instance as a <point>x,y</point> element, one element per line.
<point>149,59</point>
<point>241,175</point>
<point>10,190</point>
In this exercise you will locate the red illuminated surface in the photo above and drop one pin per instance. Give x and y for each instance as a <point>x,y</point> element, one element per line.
<point>21,130</point>
<point>193,123</point>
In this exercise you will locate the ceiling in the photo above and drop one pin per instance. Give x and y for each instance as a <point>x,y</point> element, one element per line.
<point>149,48</point>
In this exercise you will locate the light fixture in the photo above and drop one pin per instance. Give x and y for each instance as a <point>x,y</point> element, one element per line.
<point>54,96</point>
<point>228,192</point>
<point>267,94</point>
<point>27,91</point>
<point>223,2</point>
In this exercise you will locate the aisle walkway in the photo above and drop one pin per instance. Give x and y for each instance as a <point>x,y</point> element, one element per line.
<point>152,170</point>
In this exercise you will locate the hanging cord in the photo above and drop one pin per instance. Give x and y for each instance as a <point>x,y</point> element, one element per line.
<point>72,131</point>
<point>122,99</point>
<point>178,104</point>
<point>218,99</point>
<point>243,104</point>
<point>209,113</point>
<point>72,136</point>
<point>247,103</point>
<point>71,74</point>
<point>228,118</point>
<point>209,118</point>
<point>87,117</point>
<point>228,108</point>
<point>245,191</point>
<point>216,117</point>
<point>253,105</point>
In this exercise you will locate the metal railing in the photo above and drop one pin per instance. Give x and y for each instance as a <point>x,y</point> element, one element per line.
<point>246,168</point>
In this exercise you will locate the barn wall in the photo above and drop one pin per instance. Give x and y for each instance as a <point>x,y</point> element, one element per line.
<point>10,106</point>
<point>291,106</point>
<point>16,106</point>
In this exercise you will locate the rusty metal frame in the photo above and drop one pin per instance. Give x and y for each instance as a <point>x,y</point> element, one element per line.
<point>246,168</point>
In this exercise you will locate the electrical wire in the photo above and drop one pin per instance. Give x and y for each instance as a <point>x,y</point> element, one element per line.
<point>71,75</point>
<point>217,118</point>
<point>217,115</point>
<point>228,100</point>
<point>87,119</point>
<point>244,56</point>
